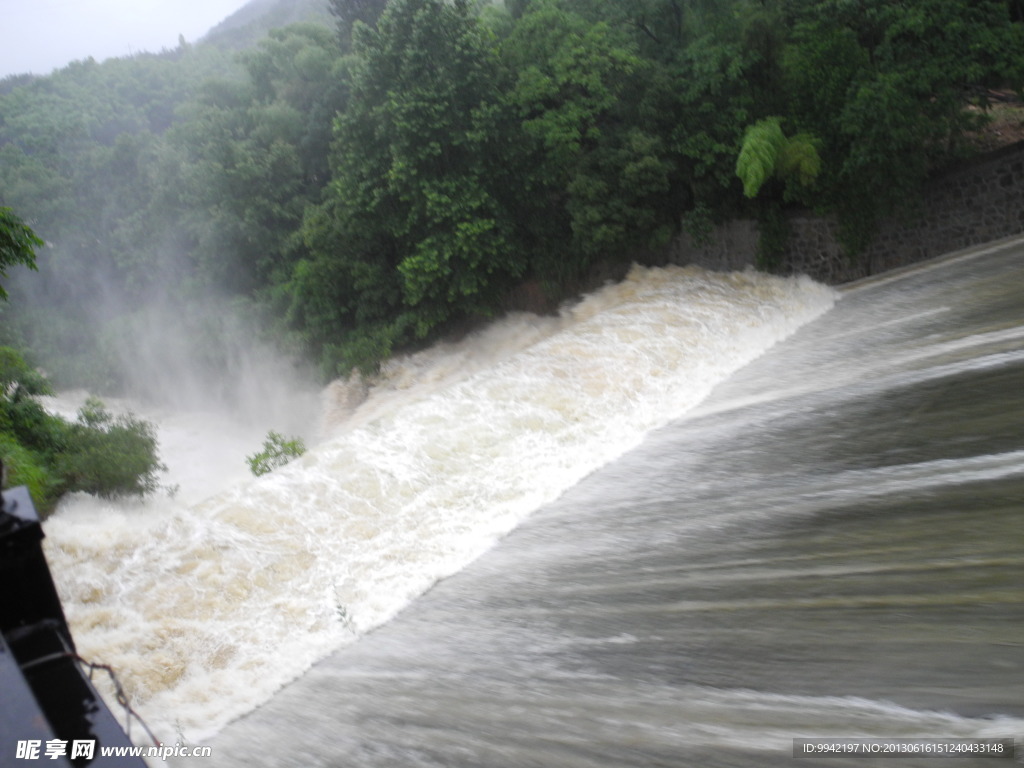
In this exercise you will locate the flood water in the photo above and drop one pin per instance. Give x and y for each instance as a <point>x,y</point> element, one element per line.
<point>830,545</point>
<point>208,602</point>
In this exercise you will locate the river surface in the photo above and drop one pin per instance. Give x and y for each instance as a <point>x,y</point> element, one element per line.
<point>829,544</point>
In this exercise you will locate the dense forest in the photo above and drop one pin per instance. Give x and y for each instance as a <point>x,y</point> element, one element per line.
<point>345,190</point>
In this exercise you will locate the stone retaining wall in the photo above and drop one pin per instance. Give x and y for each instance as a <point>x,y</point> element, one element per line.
<point>973,203</point>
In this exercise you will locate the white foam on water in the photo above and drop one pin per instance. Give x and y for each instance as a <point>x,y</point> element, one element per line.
<point>206,610</point>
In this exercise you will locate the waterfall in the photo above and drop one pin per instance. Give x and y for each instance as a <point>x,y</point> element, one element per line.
<point>208,608</point>
<point>827,546</point>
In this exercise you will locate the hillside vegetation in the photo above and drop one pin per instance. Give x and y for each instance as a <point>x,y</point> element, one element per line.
<point>354,189</point>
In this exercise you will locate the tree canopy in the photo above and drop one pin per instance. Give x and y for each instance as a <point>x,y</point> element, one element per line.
<point>358,190</point>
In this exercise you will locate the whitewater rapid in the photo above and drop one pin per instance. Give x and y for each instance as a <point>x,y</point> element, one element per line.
<point>206,609</point>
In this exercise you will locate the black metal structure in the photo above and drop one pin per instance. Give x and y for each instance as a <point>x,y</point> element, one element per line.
<point>46,698</point>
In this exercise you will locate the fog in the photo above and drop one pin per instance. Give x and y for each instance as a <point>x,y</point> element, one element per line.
<point>42,35</point>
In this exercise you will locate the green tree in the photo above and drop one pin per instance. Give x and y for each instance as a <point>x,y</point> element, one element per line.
<point>885,87</point>
<point>597,169</point>
<point>17,244</point>
<point>18,379</point>
<point>349,12</point>
<point>109,455</point>
<point>79,153</point>
<point>99,453</point>
<point>249,156</point>
<point>413,231</point>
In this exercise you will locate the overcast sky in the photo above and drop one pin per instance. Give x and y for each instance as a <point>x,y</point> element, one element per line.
<point>42,35</point>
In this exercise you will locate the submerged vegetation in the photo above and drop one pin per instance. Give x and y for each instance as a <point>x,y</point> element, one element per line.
<point>356,190</point>
<point>277,451</point>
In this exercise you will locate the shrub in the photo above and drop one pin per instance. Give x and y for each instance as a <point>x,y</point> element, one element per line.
<point>277,451</point>
<point>110,456</point>
<point>99,453</point>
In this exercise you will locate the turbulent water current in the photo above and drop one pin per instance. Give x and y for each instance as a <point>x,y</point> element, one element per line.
<point>729,512</point>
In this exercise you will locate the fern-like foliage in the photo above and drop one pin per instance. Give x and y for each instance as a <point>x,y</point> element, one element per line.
<point>762,143</point>
<point>799,160</point>
<point>766,152</point>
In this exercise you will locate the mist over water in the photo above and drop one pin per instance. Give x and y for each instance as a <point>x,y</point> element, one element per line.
<point>207,609</point>
<point>203,356</point>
